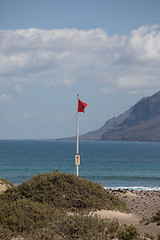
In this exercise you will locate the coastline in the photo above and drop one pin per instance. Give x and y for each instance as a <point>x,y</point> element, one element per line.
<point>135,188</point>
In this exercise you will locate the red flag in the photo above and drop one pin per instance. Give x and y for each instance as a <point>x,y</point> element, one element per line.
<point>81,106</point>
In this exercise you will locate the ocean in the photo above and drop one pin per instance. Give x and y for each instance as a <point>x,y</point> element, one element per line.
<point>131,165</point>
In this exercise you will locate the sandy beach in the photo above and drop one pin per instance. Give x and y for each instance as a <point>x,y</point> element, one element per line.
<point>142,204</point>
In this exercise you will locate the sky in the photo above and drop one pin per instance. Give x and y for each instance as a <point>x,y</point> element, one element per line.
<point>107,51</point>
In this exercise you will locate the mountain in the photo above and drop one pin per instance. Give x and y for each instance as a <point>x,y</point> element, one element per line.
<point>110,124</point>
<point>142,124</point>
<point>97,134</point>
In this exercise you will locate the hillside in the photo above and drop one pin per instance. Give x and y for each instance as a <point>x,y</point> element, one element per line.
<point>96,134</point>
<point>143,123</point>
<point>111,123</point>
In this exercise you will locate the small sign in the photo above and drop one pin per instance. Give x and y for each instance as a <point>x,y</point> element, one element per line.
<point>77,159</point>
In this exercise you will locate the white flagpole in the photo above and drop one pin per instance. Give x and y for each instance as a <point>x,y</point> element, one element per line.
<point>77,151</point>
<point>77,127</point>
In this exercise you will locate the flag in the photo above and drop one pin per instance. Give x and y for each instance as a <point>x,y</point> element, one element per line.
<point>81,106</point>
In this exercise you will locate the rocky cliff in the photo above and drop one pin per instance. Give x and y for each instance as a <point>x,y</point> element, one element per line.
<point>142,124</point>
<point>109,124</point>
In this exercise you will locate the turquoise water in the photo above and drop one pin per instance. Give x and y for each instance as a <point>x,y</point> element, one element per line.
<point>112,164</point>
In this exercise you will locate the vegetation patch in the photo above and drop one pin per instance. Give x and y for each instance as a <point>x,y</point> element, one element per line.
<point>156,218</point>
<point>38,209</point>
<point>66,191</point>
<point>128,232</point>
<point>62,226</point>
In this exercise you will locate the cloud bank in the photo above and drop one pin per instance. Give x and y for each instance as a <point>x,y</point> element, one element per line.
<point>62,57</point>
<point>40,69</point>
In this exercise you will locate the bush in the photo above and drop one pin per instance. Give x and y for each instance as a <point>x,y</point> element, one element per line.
<point>128,233</point>
<point>156,218</point>
<point>25,215</point>
<point>77,226</point>
<point>66,191</point>
<point>148,236</point>
<point>82,227</point>
<point>38,209</point>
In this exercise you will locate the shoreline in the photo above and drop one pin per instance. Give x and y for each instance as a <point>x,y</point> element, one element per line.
<point>134,188</point>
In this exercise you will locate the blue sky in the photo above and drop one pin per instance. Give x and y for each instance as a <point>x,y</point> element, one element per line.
<point>116,16</point>
<point>107,51</point>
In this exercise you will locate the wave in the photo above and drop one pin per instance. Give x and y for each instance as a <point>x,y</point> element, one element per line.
<point>128,182</point>
<point>125,178</point>
<point>137,188</point>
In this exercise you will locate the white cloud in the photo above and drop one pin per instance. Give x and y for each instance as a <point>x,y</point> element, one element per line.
<point>5,98</point>
<point>136,82</point>
<point>146,43</point>
<point>65,56</point>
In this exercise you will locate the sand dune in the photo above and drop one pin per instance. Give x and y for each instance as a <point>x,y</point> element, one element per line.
<point>142,204</point>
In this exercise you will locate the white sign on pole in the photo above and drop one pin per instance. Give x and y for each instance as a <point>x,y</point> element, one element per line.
<point>77,159</point>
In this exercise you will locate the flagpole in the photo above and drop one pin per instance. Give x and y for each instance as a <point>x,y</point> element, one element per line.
<point>77,151</point>
<point>80,108</point>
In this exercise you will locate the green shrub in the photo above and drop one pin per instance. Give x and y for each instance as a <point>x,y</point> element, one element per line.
<point>25,215</point>
<point>77,226</point>
<point>38,209</point>
<point>82,227</point>
<point>66,191</point>
<point>148,236</point>
<point>156,218</point>
<point>128,233</point>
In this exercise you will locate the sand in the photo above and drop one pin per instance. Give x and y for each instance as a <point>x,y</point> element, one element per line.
<point>3,186</point>
<point>142,204</point>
